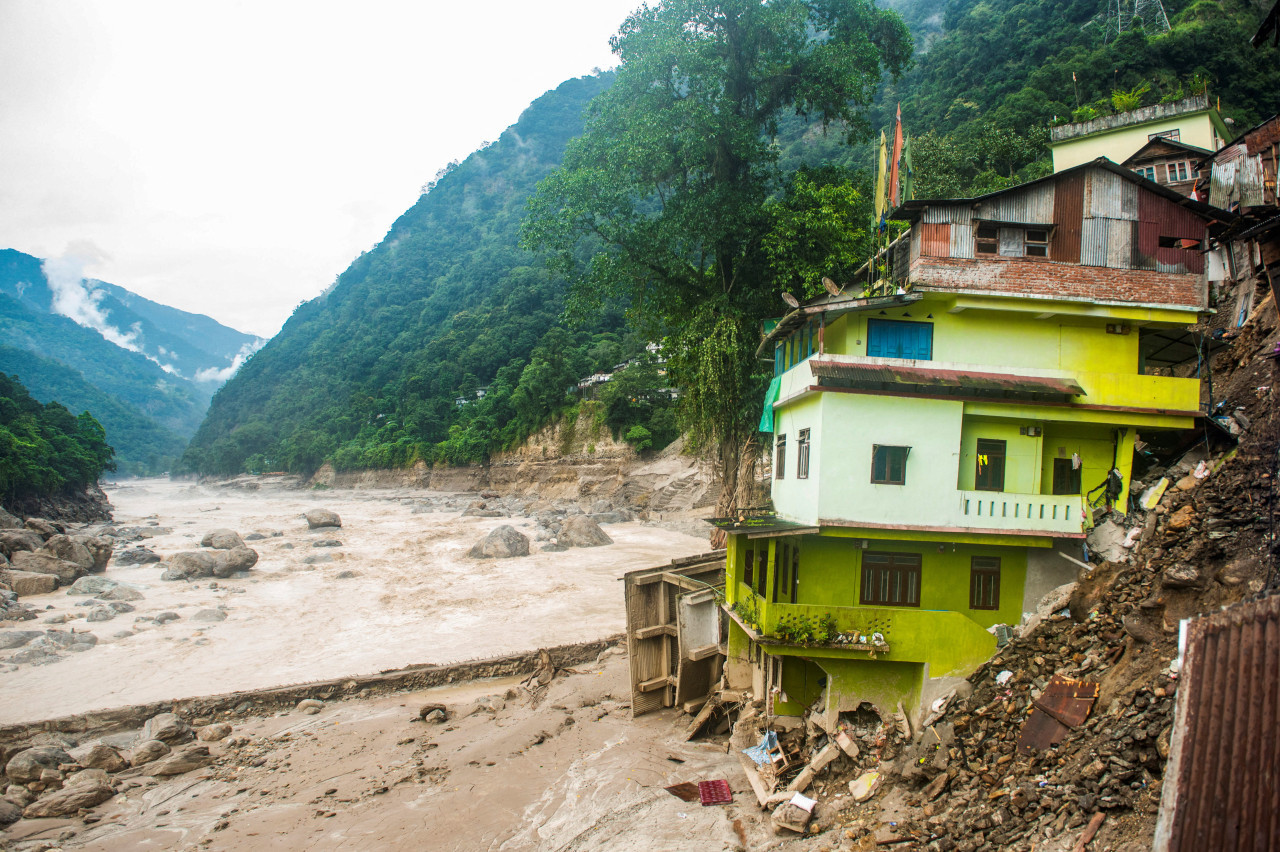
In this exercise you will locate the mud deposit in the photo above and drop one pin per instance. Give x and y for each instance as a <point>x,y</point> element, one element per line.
<point>397,591</point>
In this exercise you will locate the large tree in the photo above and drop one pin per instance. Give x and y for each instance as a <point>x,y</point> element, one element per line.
<point>672,202</point>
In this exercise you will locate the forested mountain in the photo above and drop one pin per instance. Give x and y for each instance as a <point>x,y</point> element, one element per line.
<point>44,448</point>
<point>371,373</point>
<point>150,393</point>
<point>367,375</point>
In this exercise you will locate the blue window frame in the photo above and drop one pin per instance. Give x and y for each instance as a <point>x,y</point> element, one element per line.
<point>899,339</point>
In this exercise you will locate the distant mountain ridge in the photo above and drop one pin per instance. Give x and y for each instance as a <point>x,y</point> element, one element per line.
<point>145,370</point>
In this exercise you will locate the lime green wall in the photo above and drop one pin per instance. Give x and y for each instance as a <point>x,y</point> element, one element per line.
<point>1022,454</point>
<point>1096,446</point>
<point>800,495</point>
<point>881,684</point>
<point>803,682</point>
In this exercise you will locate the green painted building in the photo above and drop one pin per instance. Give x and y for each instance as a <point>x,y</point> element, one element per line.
<point>937,448</point>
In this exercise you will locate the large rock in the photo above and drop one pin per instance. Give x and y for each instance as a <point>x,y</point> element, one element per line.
<point>100,548</point>
<point>239,558</point>
<point>1181,575</point>
<point>14,541</point>
<point>137,556</point>
<point>44,529</point>
<point>91,586</point>
<point>9,813</point>
<point>190,564</point>
<point>25,583</point>
<point>318,518</point>
<point>182,760</point>
<point>167,728</point>
<point>98,756</point>
<point>70,800</point>
<point>17,638</point>
<point>503,543</point>
<point>121,593</point>
<point>9,522</point>
<point>67,549</point>
<point>47,563</point>
<point>27,765</point>
<point>581,531</point>
<point>222,539</point>
<point>147,752</point>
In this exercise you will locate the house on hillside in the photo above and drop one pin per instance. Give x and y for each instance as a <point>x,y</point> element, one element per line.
<point>1244,260</point>
<point>1191,121</point>
<point>940,448</point>
<point>1169,162</point>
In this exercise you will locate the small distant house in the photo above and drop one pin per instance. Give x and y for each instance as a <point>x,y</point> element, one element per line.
<point>941,442</point>
<point>1192,121</point>
<point>1170,163</point>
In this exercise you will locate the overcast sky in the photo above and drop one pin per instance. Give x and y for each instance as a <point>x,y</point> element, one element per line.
<point>232,158</point>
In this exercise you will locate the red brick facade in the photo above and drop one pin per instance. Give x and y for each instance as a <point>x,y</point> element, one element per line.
<point>1017,276</point>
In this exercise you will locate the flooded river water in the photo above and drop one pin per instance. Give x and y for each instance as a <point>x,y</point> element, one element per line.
<point>398,591</point>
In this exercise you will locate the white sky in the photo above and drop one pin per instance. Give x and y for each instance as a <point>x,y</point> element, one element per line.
<point>232,158</point>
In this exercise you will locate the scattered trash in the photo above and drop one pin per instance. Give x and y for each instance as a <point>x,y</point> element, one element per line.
<point>1151,497</point>
<point>795,813</point>
<point>864,786</point>
<point>1003,677</point>
<point>759,754</point>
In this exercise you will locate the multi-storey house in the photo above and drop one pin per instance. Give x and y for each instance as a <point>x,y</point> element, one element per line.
<point>943,438</point>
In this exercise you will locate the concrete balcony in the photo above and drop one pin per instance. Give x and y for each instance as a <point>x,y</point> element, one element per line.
<point>1047,513</point>
<point>951,643</point>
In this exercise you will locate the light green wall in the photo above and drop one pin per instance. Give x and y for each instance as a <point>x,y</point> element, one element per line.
<point>881,684</point>
<point>801,495</point>
<point>803,682</point>
<point>1120,144</point>
<point>1096,446</point>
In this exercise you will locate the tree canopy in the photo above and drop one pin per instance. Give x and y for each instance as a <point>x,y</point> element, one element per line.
<point>675,195</point>
<point>44,448</point>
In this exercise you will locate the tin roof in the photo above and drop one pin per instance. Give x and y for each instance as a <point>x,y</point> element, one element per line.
<point>1220,787</point>
<point>861,374</point>
<point>761,526</point>
<point>828,305</point>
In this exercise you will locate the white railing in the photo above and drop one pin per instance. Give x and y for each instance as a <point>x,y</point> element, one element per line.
<point>1004,510</point>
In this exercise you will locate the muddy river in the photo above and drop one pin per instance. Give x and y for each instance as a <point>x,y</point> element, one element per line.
<point>398,591</point>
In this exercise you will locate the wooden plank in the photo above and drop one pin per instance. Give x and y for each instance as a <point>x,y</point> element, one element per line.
<point>702,653</point>
<point>645,580</point>
<point>656,683</point>
<point>683,582</point>
<point>753,777</point>
<point>656,630</point>
<point>695,705</point>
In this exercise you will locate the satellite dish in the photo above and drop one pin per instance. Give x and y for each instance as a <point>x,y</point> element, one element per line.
<point>791,300</point>
<point>831,286</point>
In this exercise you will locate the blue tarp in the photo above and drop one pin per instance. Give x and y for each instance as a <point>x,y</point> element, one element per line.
<point>770,397</point>
<point>760,753</point>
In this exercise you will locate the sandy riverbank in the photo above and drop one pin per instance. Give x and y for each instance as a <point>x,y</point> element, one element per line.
<point>412,597</point>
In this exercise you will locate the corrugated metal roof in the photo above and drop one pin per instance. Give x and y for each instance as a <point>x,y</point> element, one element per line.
<point>962,241</point>
<point>935,239</point>
<point>1110,196</point>
<point>934,377</point>
<point>1094,236</point>
<point>950,214</point>
<point>1032,205</point>
<point>1222,783</point>
<point>1068,212</point>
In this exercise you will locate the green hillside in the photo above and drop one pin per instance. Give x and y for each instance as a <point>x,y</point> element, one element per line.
<point>368,374</point>
<point>45,449</point>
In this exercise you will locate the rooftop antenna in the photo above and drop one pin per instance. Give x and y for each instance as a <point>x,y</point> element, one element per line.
<point>791,300</point>
<point>830,286</point>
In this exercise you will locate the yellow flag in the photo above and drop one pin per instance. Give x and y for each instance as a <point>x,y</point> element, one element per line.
<point>881,184</point>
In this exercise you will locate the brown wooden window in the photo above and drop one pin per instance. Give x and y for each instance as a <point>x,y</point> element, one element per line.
<point>1037,243</point>
<point>889,464</point>
<point>780,459</point>
<point>802,454</point>
<point>1177,171</point>
<point>1066,477</point>
<point>986,239</point>
<point>990,465</point>
<point>984,583</point>
<point>890,579</point>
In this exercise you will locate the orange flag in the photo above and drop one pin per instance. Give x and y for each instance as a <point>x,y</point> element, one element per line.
<point>894,193</point>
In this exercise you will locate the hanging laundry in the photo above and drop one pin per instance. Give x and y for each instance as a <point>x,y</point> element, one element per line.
<point>1075,461</point>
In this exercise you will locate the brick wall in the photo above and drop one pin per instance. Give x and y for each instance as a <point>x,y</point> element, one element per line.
<point>1017,276</point>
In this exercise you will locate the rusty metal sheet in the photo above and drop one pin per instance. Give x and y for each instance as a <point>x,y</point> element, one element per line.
<point>1094,234</point>
<point>1031,206</point>
<point>1222,782</point>
<point>1121,242</point>
<point>1109,196</point>
<point>1068,214</point>
<point>1063,705</point>
<point>935,239</point>
<point>940,378</point>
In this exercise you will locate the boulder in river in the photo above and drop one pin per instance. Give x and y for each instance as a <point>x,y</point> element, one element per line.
<point>91,586</point>
<point>27,765</point>
<point>100,548</point>
<point>17,638</point>
<point>582,531</point>
<point>98,756</point>
<point>66,548</point>
<point>167,728</point>
<point>318,518</point>
<point>145,752</point>
<point>121,593</point>
<point>14,541</point>
<point>222,539</point>
<point>9,522</point>
<point>137,556</point>
<point>239,558</point>
<point>44,529</point>
<point>46,563</point>
<point>502,543</point>
<point>190,565</point>
<point>181,760</point>
<point>25,583</point>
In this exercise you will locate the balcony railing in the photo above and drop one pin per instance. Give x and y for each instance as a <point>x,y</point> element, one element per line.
<point>949,641</point>
<point>1022,512</point>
